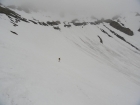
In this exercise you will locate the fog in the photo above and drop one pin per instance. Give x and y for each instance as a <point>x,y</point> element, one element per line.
<point>99,8</point>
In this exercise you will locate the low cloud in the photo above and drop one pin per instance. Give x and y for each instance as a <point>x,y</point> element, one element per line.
<point>99,8</point>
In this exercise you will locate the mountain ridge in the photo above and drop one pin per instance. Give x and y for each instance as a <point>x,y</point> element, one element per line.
<point>115,24</point>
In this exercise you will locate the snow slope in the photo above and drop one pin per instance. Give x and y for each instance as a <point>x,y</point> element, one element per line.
<point>89,73</point>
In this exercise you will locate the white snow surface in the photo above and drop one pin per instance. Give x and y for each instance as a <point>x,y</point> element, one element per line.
<point>89,72</point>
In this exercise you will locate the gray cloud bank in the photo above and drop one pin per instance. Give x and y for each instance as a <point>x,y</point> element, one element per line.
<point>100,8</point>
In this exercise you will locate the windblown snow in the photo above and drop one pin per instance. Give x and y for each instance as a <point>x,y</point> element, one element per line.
<point>89,72</point>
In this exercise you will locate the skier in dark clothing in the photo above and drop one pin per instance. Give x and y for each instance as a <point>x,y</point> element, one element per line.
<point>58,59</point>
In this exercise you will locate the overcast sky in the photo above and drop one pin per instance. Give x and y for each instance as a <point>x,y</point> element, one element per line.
<point>103,8</point>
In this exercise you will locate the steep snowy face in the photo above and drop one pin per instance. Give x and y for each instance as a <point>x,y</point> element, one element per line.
<point>99,59</point>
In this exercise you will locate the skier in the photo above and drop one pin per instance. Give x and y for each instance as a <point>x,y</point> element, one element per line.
<point>58,59</point>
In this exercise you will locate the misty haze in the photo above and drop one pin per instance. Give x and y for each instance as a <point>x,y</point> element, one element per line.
<point>98,8</point>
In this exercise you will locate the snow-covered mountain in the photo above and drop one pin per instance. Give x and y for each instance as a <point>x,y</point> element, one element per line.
<point>99,59</point>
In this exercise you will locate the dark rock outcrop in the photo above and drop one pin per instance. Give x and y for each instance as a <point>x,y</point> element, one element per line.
<point>139,29</point>
<point>15,25</point>
<point>122,29</point>
<point>101,21</point>
<point>8,12</point>
<point>57,28</point>
<point>11,14</point>
<point>92,23</point>
<point>100,39</point>
<point>120,37</point>
<point>33,21</point>
<point>14,32</point>
<point>53,23</point>
<point>80,24</point>
<point>67,25</point>
<point>42,23</point>
<point>105,32</point>
<point>107,21</point>
<point>58,22</point>
<point>25,20</point>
